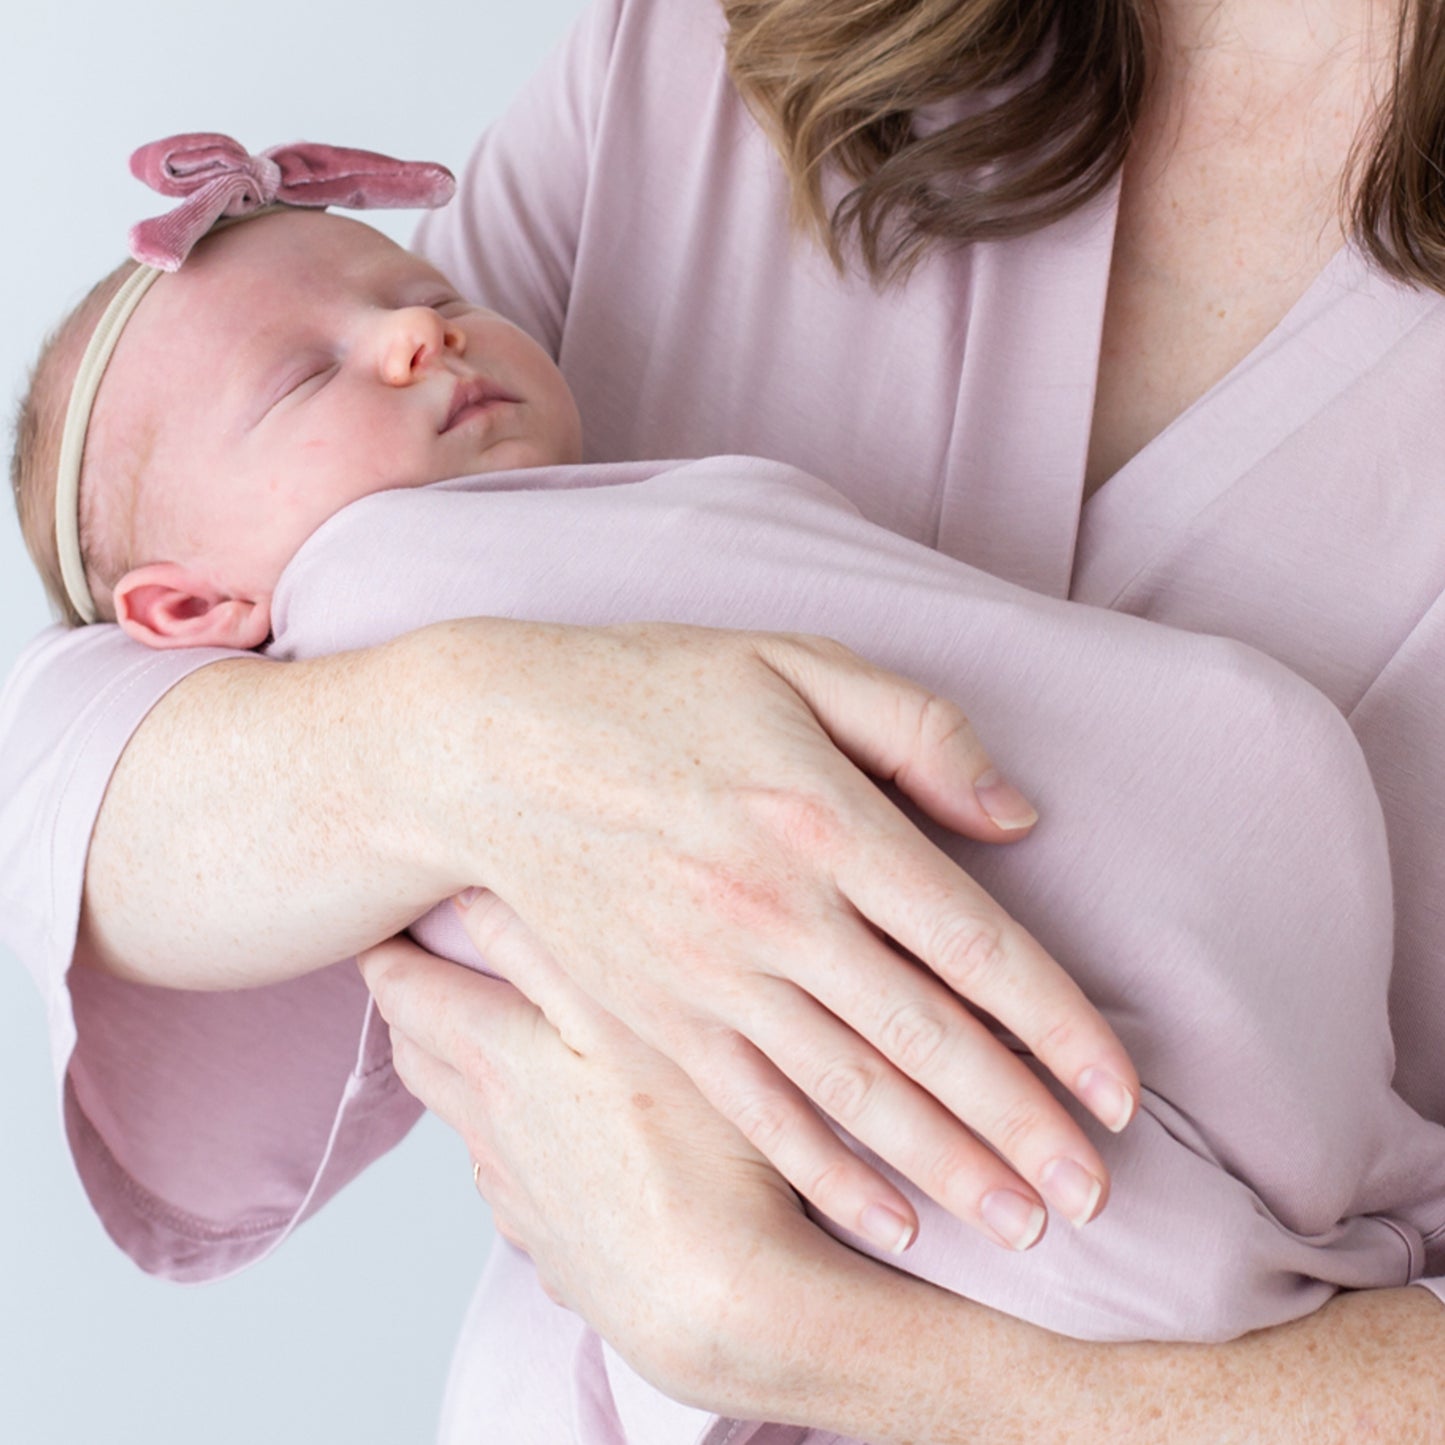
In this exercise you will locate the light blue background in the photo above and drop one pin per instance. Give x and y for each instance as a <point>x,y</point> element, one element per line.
<point>345,1335</point>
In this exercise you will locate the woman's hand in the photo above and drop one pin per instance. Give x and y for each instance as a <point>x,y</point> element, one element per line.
<point>642,1209</point>
<point>682,819</point>
<point>700,1269</point>
<point>669,811</point>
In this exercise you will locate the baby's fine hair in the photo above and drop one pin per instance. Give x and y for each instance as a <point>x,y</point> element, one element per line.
<point>33,464</point>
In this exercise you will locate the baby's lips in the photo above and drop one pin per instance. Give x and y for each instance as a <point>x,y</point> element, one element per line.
<point>472,392</point>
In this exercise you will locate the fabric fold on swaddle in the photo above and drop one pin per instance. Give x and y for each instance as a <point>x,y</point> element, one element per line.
<point>1211,861</point>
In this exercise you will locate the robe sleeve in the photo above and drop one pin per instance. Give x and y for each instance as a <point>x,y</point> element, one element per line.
<point>203,1126</point>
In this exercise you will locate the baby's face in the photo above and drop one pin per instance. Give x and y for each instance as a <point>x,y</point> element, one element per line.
<point>296,363</point>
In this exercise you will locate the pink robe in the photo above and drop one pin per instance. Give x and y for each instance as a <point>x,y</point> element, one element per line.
<point>1212,865</point>
<point>631,216</point>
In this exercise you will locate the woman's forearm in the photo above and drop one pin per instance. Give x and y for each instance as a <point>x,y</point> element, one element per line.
<point>893,1360</point>
<point>672,813</point>
<point>268,818</point>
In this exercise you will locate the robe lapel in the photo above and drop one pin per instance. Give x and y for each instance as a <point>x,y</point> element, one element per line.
<point>1347,321</point>
<point>1026,400</point>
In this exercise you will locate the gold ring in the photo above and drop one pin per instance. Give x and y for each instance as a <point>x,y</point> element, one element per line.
<point>477,1176</point>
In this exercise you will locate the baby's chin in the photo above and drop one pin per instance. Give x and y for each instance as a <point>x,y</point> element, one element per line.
<point>523,455</point>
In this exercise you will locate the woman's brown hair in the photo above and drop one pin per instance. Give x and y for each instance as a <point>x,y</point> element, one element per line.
<point>1399,203</point>
<point>1059,85</point>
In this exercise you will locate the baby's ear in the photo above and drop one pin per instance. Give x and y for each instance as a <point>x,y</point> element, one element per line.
<point>166,605</point>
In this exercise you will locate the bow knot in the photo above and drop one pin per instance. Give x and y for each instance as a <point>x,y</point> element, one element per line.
<point>218,178</point>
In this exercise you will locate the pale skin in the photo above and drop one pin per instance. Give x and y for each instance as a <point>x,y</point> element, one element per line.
<point>300,362</point>
<point>297,363</point>
<point>1207,260</point>
<point>778,1320</point>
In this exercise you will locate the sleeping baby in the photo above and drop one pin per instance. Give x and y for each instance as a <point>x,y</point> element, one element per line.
<point>306,441</point>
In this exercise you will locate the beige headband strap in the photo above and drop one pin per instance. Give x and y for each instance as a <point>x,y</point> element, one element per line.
<point>98,352</point>
<point>221,184</point>
<point>72,439</point>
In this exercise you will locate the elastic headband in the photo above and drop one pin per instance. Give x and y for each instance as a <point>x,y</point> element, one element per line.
<point>222,184</point>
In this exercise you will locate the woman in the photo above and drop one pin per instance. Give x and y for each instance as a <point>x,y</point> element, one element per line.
<point>1228,198</point>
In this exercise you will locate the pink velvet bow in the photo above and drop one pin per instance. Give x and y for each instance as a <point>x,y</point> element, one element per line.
<point>219,178</point>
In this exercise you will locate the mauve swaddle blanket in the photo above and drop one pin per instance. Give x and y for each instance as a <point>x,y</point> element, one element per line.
<point>1210,864</point>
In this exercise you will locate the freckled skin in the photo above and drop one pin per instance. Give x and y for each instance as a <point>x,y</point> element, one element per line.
<point>1231,192</point>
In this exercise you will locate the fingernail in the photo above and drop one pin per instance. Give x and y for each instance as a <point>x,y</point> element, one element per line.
<point>1108,1100</point>
<point>889,1231</point>
<point>1016,1220</point>
<point>1072,1190</point>
<point>467,897</point>
<point>1003,802</point>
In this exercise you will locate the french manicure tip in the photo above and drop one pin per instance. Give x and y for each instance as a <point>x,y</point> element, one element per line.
<point>1004,804</point>
<point>1109,1101</point>
<point>1072,1189</point>
<point>1030,1236</point>
<point>886,1229</point>
<point>1015,1220</point>
<point>1121,1117</point>
<point>1087,1212</point>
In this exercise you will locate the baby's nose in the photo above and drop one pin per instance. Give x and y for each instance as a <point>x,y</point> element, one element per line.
<point>412,338</point>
